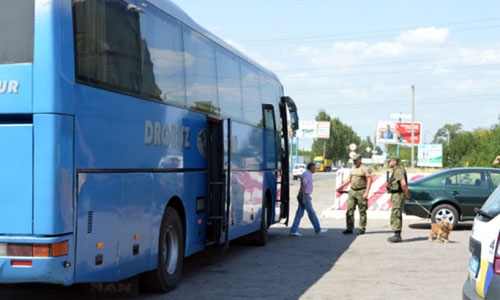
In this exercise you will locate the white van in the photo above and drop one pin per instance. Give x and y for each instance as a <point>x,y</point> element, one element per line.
<point>483,281</point>
<point>297,170</point>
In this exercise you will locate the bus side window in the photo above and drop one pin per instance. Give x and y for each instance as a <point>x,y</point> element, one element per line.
<point>110,51</point>
<point>251,95</point>
<point>269,119</point>
<point>123,37</point>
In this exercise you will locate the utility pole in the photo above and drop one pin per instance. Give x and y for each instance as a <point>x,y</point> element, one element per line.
<point>412,122</point>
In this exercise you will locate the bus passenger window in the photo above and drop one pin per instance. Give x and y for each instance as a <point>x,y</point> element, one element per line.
<point>269,120</point>
<point>110,51</point>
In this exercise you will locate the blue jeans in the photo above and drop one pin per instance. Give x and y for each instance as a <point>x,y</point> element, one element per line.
<point>310,213</point>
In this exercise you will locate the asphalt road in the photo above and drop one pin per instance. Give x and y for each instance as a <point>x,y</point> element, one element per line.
<point>325,266</point>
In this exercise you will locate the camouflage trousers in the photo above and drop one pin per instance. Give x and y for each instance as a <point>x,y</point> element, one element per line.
<point>356,198</point>
<point>397,211</point>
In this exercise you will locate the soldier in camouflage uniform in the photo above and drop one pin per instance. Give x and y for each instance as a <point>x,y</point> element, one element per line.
<point>397,187</point>
<point>360,179</point>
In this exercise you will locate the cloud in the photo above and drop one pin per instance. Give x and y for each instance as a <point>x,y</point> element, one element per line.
<point>407,44</point>
<point>481,62</point>
<point>490,57</point>
<point>236,45</point>
<point>428,36</point>
<point>270,64</point>
<point>366,50</point>
<point>307,51</point>
<point>465,85</point>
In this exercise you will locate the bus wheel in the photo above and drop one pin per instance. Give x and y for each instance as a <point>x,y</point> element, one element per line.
<point>170,255</point>
<point>262,235</point>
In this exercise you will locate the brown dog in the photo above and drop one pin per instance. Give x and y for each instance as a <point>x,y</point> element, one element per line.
<point>441,231</point>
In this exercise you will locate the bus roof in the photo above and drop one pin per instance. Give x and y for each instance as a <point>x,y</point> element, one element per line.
<point>175,11</point>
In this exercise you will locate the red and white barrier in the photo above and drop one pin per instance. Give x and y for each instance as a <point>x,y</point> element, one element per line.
<point>378,198</point>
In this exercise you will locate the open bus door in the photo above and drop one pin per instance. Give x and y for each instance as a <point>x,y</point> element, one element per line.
<point>218,194</point>
<point>286,103</point>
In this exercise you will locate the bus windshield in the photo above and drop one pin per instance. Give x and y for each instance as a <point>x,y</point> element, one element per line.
<point>16,32</point>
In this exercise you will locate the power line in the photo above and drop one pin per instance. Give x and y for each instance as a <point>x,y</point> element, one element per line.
<point>397,62</point>
<point>427,101</point>
<point>363,34</point>
<point>406,71</point>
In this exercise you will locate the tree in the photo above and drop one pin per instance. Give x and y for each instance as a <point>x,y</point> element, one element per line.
<point>365,148</point>
<point>337,146</point>
<point>446,133</point>
<point>477,148</point>
<point>456,153</point>
<point>494,144</point>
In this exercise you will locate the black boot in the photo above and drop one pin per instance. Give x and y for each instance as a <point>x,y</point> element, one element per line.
<point>396,238</point>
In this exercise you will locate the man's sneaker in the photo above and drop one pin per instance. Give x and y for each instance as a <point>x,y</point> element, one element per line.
<point>361,231</point>
<point>296,233</point>
<point>347,231</point>
<point>322,230</point>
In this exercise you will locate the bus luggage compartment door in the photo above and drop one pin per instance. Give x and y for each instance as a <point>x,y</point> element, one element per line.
<point>16,178</point>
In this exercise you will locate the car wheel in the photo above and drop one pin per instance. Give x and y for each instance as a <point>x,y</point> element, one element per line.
<point>445,212</point>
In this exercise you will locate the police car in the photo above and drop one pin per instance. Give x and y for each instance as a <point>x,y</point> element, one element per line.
<point>483,281</point>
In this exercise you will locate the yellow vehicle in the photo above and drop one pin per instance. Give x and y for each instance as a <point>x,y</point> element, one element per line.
<point>323,164</point>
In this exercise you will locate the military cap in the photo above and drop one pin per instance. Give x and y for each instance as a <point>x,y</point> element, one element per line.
<point>356,156</point>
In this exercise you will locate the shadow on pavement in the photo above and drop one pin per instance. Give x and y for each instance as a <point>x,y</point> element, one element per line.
<point>127,289</point>
<point>415,239</point>
<point>378,232</point>
<point>427,226</point>
<point>287,265</point>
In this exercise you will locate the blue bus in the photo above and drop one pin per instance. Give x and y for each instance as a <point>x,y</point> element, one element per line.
<point>131,139</point>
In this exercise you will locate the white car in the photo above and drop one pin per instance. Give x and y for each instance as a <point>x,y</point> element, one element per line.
<point>297,170</point>
<point>483,281</point>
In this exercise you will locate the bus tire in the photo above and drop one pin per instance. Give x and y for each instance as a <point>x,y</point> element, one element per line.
<point>170,255</point>
<point>262,234</point>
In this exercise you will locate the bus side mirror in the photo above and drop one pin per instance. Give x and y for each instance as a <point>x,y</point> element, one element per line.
<point>292,109</point>
<point>294,120</point>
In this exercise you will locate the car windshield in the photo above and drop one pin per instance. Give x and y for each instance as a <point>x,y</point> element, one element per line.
<point>492,205</point>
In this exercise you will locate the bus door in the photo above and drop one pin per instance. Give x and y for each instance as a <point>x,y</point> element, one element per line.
<point>217,197</point>
<point>287,107</point>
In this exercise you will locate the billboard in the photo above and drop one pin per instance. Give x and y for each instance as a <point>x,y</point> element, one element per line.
<point>430,155</point>
<point>404,131</point>
<point>323,130</point>
<point>393,132</point>
<point>307,129</point>
<point>313,129</point>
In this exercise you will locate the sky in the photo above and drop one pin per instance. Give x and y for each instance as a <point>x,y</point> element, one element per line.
<point>358,60</point>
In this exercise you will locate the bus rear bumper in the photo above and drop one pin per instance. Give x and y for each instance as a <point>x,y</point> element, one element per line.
<point>41,270</point>
<point>29,260</point>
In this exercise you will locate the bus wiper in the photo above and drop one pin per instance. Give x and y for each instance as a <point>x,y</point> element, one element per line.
<point>482,213</point>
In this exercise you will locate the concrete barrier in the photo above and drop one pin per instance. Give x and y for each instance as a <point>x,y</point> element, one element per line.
<point>378,198</point>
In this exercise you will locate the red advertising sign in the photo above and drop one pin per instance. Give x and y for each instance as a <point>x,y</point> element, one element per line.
<point>404,131</point>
